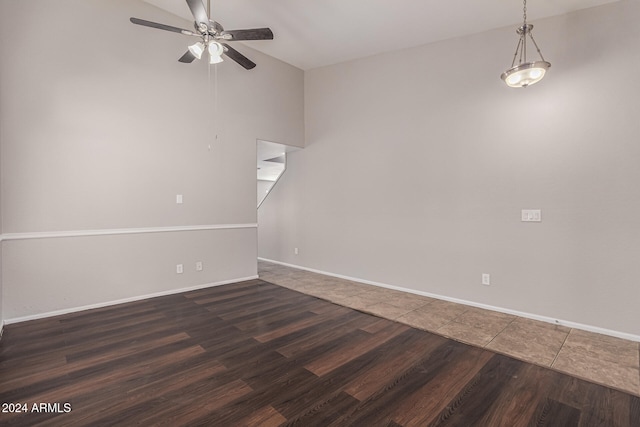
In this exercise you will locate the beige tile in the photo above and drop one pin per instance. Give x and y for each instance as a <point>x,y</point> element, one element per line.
<point>489,322</point>
<point>399,298</point>
<point>466,333</point>
<point>469,324</point>
<point>295,284</point>
<point>423,320</point>
<point>381,292</point>
<point>602,359</point>
<point>599,371</point>
<point>489,313</point>
<point>445,309</point>
<point>361,301</point>
<point>433,316</point>
<point>278,278</point>
<point>601,347</point>
<point>388,311</point>
<point>331,283</point>
<point>345,288</point>
<point>605,339</point>
<point>599,358</point>
<point>361,286</point>
<point>530,340</point>
<point>336,296</point>
<point>403,299</point>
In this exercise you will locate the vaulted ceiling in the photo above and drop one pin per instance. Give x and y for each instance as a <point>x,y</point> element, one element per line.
<point>315,33</point>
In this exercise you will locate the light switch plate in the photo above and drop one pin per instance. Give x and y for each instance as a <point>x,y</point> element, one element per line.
<point>531,215</point>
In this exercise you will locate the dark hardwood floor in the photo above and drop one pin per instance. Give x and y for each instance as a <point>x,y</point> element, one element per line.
<point>254,353</point>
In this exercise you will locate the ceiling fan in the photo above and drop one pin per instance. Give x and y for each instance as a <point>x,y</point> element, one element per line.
<point>212,37</point>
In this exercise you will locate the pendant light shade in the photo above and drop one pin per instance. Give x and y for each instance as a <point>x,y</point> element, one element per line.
<point>525,73</point>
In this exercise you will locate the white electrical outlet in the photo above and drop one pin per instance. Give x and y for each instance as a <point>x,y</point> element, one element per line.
<point>295,251</point>
<point>486,279</point>
<point>199,266</point>
<point>179,199</point>
<point>179,269</point>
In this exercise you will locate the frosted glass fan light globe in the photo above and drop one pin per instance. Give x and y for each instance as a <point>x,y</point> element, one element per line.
<point>197,49</point>
<point>215,53</point>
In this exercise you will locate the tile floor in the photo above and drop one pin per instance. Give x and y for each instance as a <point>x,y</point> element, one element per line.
<point>599,358</point>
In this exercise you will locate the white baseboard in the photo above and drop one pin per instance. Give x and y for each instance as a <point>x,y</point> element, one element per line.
<point>567,323</point>
<point>124,300</point>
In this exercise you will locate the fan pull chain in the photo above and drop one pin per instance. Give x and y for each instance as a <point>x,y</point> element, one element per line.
<point>213,120</point>
<point>209,121</point>
<point>215,86</point>
<point>215,100</point>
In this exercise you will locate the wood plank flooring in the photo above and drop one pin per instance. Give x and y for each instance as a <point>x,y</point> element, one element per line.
<point>256,354</point>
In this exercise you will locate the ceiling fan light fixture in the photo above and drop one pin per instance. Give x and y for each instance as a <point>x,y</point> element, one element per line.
<point>215,53</point>
<point>197,49</point>
<point>208,32</point>
<point>525,73</point>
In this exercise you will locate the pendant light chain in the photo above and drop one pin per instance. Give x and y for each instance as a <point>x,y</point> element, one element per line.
<point>525,31</point>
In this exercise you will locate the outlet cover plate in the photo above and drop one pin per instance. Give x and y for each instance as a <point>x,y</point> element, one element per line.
<point>486,279</point>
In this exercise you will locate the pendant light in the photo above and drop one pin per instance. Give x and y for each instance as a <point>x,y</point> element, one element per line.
<point>526,72</point>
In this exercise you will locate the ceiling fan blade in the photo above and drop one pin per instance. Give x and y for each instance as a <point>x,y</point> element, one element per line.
<point>142,22</point>
<point>252,34</point>
<point>238,57</point>
<point>187,58</point>
<point>198,11</point>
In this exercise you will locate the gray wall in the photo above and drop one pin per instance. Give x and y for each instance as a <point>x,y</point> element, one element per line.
<point>101,128</point>
<point>263,187</point>
<point>416,169</point>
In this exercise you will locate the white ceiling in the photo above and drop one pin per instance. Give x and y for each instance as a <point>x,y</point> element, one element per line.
<point>314,33</point>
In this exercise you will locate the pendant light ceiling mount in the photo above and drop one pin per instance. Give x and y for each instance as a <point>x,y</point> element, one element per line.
<point>526,72</point>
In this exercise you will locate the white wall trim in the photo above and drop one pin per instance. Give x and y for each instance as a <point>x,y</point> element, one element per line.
<point>546,319</point>
<point>124,300</point>
<point>118,231</point>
